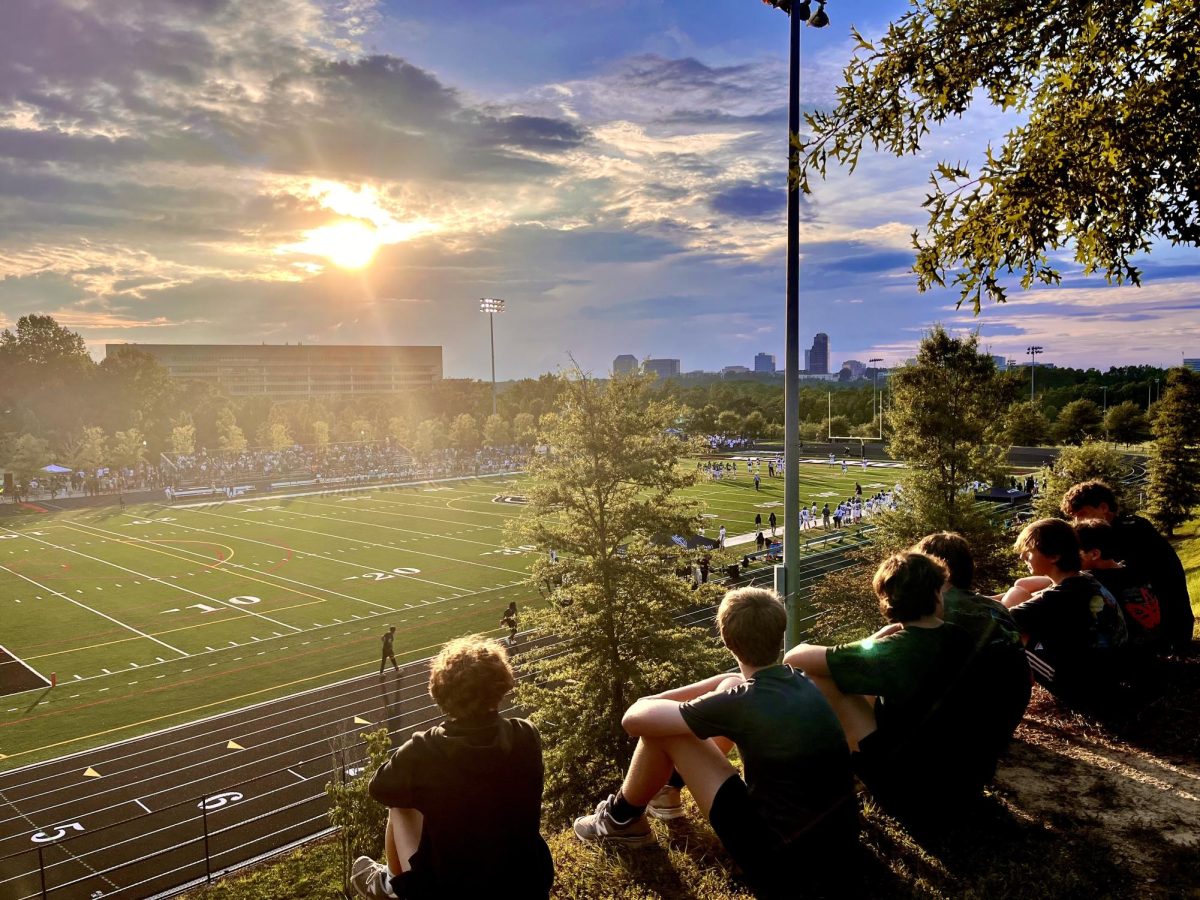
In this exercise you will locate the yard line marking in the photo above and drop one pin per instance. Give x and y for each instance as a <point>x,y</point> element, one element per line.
<point>298,775</point>
<point>141,804</point>
<point>177,587</point>
<point>117,622</point>
<point>369,525</point>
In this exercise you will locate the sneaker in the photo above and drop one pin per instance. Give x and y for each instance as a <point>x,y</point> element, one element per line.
<point>599,828</point>
<point>370,879</point>
<point>666,804</point>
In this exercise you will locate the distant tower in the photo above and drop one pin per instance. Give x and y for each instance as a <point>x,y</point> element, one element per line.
<point>818,356</point>
<point>625,364</point>
<point>764,363</point>
<point>663,368</point>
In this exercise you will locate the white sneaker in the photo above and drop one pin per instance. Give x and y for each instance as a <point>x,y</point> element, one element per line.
<point>666,804</point>
<point>370,879</point>
<point>600,828</point>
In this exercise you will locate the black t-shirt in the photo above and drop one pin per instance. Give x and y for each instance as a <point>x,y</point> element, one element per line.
<point>796,757</point>
<point>1151,558</point>
<point>478,785</point>
<point>1139,602</point>
<point>387,643</point>
<point>1075,634</point>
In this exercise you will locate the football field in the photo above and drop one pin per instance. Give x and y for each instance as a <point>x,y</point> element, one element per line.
<point>155,615</point>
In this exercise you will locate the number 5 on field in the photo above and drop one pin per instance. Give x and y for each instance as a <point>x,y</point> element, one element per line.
<point>58,832</point>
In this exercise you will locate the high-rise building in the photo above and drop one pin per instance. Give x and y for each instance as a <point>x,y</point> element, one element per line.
<point>764,363</point>
<point>294,371</point>
<point>857,368</point>
<point>625,364</point>
<point>663,368</point>
<point>1001,362</point>
<point>817,359</point>
<point>1193,364</point>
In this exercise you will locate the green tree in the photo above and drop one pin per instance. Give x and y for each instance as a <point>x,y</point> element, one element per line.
<point>183,440</point>
<point>496,432</point>
<point>754,425</point>
<point>1025,425</point>
<point>605,497</point>
<point>1078,421</point>
<point>352,808</point>
<point>1125,423</point>
<point>28,455</point>
<point>128,448</point>
<point>277,437</point>
<point>1104,161</point>
<point>1174,488</point>
<point>464,433</point>
<point>729,423</point>
<point>431,437</point>
<point>1090,460</point>
<point>89,450</point>
<point>230,436</point>
<point>320,431</point>
<point>524,429</point>
<point>941,420</point>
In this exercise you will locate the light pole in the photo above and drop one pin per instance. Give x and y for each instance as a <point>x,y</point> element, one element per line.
<point>875,392</point>
<point>491,306</point>
<point>787,576</point>
<point>1032,352</point>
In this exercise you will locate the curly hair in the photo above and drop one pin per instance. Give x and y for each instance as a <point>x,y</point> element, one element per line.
<point>1088,493</point>
<point>469,677</point>
<point>908,585</point>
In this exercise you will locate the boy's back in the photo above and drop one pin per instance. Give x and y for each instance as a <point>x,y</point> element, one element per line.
<point>478,785</point>
<point>797,762</point>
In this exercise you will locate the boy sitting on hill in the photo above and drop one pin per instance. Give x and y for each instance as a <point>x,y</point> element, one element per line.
<point>796,805</point>
<point>465,797</point>
<point>1075,633</point>
<point>905,698</point>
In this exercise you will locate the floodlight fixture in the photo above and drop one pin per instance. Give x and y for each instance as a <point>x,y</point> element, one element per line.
<point>491,306</point>
<point>1032,352</point>
<point>820,18</point>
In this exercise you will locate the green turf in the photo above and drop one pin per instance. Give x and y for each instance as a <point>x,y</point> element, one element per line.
<point>156,615</point>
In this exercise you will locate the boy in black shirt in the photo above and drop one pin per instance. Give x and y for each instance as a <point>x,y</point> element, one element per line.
<point>1075,633</point>
<point>465,797</point>
<point>1135,595</point>
<point>796,804</point>
<point>1146,553</point>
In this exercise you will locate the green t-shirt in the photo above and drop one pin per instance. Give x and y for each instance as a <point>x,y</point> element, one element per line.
<point>796,757</point>
<point>910,673</point>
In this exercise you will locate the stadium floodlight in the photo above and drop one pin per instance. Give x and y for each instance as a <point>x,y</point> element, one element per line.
<point>875,391</point>
<point>820,18</point>
<point>491,306</point>
<point>1032,353</point>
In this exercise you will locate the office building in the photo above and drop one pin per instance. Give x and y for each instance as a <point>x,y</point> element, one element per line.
<point>764,363</point>
<point>736,370</point>
<point>625,364</point>
<point>857,368</point>
<point>816,360</point>
<point>1193,364</point>
<point>663,368</point>
<point>296,371</point>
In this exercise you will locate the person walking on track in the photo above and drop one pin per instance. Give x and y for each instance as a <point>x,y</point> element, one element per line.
<point>389,640</point>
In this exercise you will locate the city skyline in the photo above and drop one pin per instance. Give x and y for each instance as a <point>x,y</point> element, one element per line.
<point>364,171</point>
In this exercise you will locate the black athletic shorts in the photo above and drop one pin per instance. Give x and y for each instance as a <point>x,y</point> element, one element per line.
<point>774,867</point>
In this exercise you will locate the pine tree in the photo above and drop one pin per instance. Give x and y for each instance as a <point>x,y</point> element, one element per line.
<point>604,497</point>
<point>942,421</point>
<point>1174,488</point>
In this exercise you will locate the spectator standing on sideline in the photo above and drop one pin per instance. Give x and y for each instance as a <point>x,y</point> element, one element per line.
<point>1145,552</point>
<point>389,640</point>
<point>509,621</point>
<point>771,520</point>
<point>465,797</point>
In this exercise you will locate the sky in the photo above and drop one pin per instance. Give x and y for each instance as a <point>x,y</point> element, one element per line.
<point>363,171</point>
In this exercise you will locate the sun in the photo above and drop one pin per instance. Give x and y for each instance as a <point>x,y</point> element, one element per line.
<point>347,244</point>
